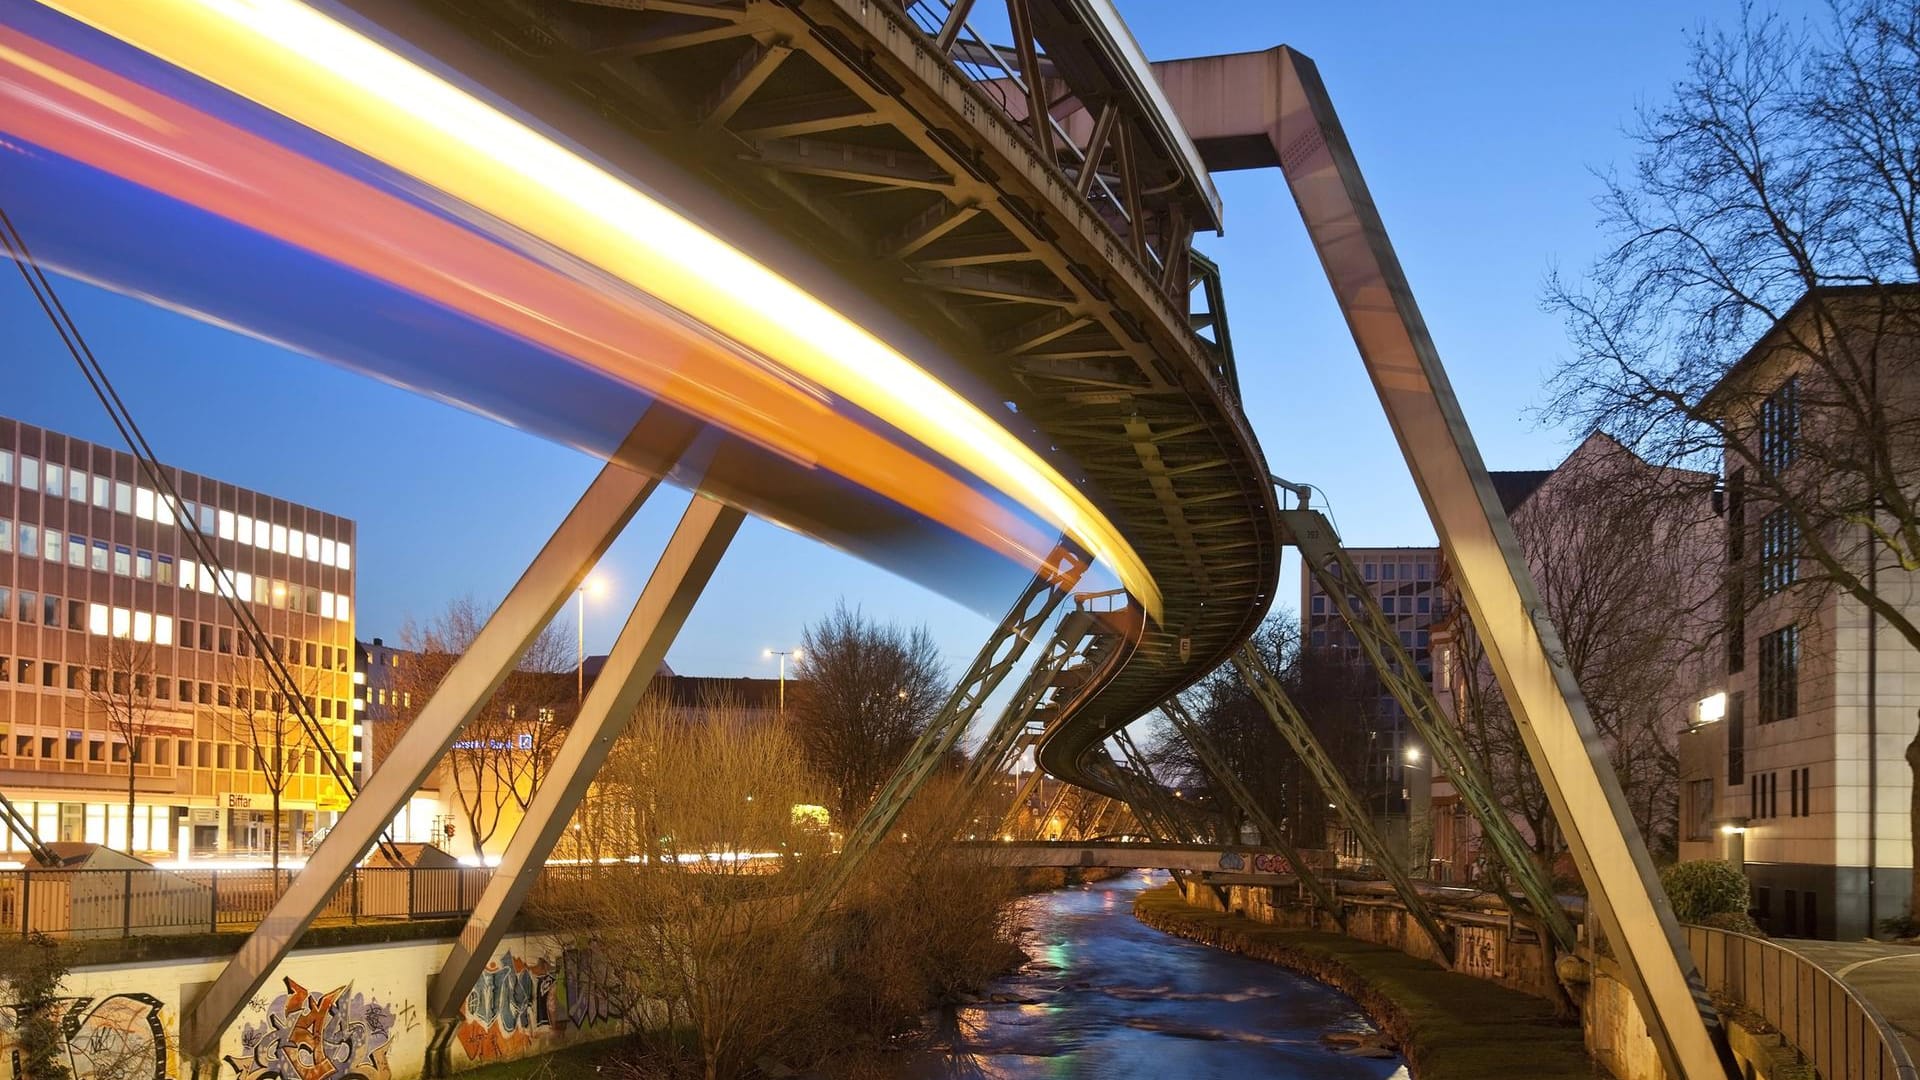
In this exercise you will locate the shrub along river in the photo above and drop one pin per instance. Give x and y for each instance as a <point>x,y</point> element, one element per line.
<point>1106,997</point>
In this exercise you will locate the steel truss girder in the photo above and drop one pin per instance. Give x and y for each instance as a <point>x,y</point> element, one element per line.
<point>1293,727</point>
<point>1339,578</point>
<point>1009,641</point>
<point>678,579</point>
<point>1278,96</point>
<point>1270,833</point>
<point>1069,641</point>
<point>615,495</point>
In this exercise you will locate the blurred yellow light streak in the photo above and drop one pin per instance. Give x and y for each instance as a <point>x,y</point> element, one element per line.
<point>323,74</point>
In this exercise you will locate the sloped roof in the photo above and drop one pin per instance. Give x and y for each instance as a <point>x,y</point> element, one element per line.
<point>1514,486</point>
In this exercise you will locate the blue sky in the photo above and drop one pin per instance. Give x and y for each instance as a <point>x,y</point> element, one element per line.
<point>1477,131</point>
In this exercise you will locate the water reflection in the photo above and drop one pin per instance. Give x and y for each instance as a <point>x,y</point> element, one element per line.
<point>1106,997</point>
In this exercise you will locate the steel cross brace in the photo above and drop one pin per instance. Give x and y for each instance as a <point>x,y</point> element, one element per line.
<point>1270,833</point>
<point>676,583</point>
<point>615,495</point>
<point>1339,578</point>
<point>1293,727</point>
<point>1180,828</point>
<point>1069,640</point>
<point>1009,641</point>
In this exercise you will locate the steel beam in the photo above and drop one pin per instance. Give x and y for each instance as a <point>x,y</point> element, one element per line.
<point>1067,643</point>
<point>1234,101</point>
<point>1306,746</point>
<point>1339,578</point>
<point>1009,641</point>
<point>677,581</point>
<point>609,503</point>
<point>1270,833</point>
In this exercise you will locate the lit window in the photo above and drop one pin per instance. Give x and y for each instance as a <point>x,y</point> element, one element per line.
<point>340,609</point>
<point>96,618</point>
<point>163,630</point>
<point>226,524</point>
<point>232,583</point>
<point>246,529</point>
<point>100,487</point>
<point>76,485</point>
<point>343,556</point>
<point>142,626</point>
<point>279,539</point>
<point>312,547</point>
<point>143,504</point>
<point>76,550</point>
<point>164,573</point>
<point>186,573</point>
<point>206,580</point>
<point>326,553</point>
<point>262,534</point>
<point>143,566</point>
<point>30,473</point>
<point>122,497</point>
<point>326,605</point>
<point>243,586</point>
<point>122,622</point>
<point>171,511</point>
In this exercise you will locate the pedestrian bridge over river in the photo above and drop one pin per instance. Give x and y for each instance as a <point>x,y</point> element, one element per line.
<point>850,265</point>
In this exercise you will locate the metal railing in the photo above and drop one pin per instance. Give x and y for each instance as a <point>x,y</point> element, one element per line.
<point>1843,1036</point>
<point>124,903</point>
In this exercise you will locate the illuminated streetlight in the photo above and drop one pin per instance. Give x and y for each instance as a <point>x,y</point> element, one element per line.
<point>783,654</point>
<point>595,586</point>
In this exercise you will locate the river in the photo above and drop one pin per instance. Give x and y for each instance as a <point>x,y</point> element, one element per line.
<point>1107,998</point>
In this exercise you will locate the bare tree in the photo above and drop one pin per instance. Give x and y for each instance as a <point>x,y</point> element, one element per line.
<point>1781,178</point>
<point>120,690</point>
<point>862,693</point>
<point>267,725</point>
<point>504,752</point>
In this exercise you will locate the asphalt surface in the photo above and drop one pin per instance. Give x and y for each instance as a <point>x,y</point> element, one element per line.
<point>1887,976</point>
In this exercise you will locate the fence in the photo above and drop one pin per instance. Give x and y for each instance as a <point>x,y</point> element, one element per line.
<point>1841,1035</point>
<point>123,903</point>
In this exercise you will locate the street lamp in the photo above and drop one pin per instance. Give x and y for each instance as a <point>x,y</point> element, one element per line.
<point>783,654</point>
<point>590,585</point>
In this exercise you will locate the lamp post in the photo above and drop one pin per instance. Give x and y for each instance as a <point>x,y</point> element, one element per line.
<point>589,585</point>
<point>783,654</point>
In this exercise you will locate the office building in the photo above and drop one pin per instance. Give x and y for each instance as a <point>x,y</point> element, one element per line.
<point>118,650</point>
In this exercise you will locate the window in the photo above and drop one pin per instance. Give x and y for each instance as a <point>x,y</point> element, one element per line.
<point>1370,571</point>
<point>6,608</point>
<point>1779,552</point>
<point>312,547</point>
<point>6,535</point>
<point>1736,738</point>
<point>29,540</point>
<point>77,486</point>
<point>1423,605</point>
<point>343,556</point>
<point>1736,627</point>
<point>1780,675</point>
<point>50,610</point>
<point>29,606</point>
<point>76,550</point>
<point>100,487</point>
<point>30,473</point>
<point>76,614</point>
<point>6,466</point>
<point>1736,515</point>
<point>278,539</point>
<point>327,552</point>
<point>1780,426</point>
<point>1319,605</point>
<point>163,574</point>
<point>100,555</point>
<point>262,534</point>
<point>97,619</point>
<point>122,497</point>
<point>1386,604</point>
<point>53,545</point>
<point>143,566</point>
<point>122,560</point>
<point>56,479</point>
<point>206,526</point>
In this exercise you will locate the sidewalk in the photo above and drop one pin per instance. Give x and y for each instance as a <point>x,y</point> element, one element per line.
<point>1885,976</point>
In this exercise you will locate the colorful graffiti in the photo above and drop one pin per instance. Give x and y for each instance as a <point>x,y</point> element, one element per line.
<point>117,1037</point>
<point>337,1035</point>
<point>518,1000</point>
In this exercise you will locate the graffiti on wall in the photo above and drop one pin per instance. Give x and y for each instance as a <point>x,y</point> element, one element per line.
<point>518,1000</point>
<point>336,1035</point>
<point>117,1037</point>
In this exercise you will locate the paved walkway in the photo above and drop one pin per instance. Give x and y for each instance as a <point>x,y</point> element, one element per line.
<point>1887,976</point>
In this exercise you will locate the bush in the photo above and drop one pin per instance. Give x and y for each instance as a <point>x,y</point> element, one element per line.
<point>1737,921</point>
<point>1901,926</point>
<point>1704,887</point>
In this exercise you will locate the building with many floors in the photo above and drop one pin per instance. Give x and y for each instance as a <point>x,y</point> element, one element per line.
<point>119,653</point>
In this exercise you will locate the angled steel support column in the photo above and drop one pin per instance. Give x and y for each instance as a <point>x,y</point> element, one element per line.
<point>1339,578</point>
<point>609,503</point>
<point>1293,727</point>
<point>677,582</point>
<point>1229,104</point>
<point>1023,622</point>
<point>1270,835</point>
<point>1066,643</point>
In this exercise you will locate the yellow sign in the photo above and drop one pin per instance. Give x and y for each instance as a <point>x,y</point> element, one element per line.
<point>331,798</point>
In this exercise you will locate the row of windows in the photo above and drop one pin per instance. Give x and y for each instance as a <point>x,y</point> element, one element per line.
<point>181,753</point>
<point>148,505</point>
<point>49,610</point>
<point>226,639</point>
<point>1780,426</point>
<point>1763,795</point>
<point>1779,552</point>
<point>139,685</point>
<point>1779,688</point>
<point>1422,572</point>
<point>265,590</point>
<point>118,558</point>
<point>1391,605</point>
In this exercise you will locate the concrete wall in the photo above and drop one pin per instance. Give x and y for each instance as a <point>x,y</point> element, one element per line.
<point>351,1013</point>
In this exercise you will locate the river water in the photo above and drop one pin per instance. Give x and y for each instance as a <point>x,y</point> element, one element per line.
<point>1107,998</point>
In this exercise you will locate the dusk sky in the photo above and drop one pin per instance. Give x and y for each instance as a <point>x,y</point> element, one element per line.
<point>1477,133</point>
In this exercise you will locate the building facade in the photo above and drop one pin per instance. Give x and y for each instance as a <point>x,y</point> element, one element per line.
<point>1796,766</point>
<point>119,651</point>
